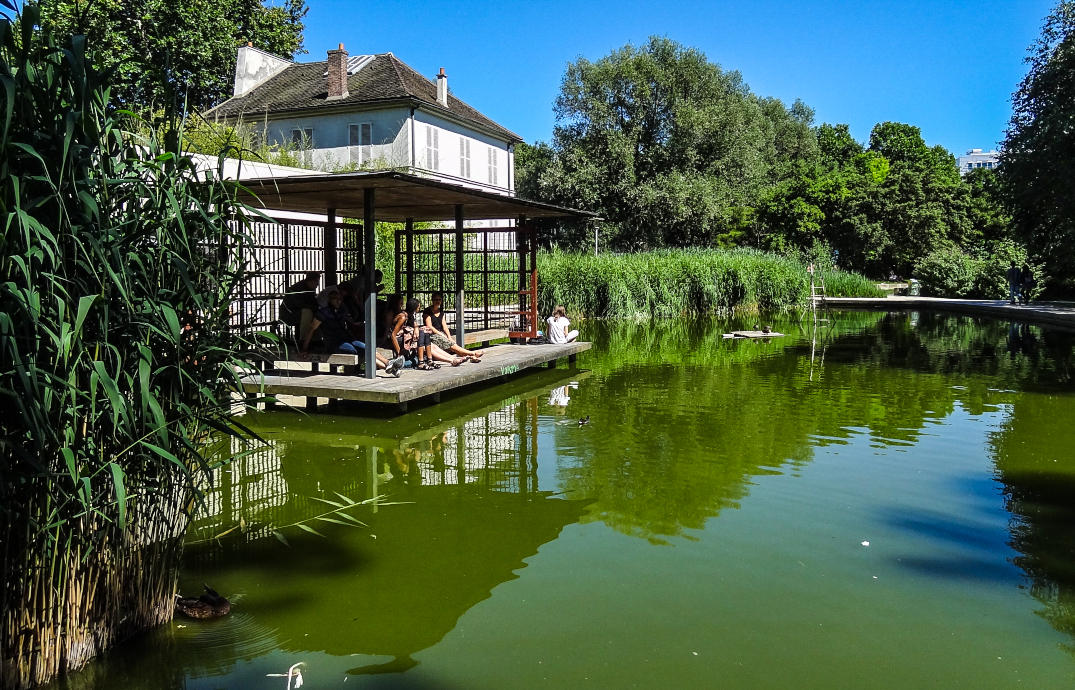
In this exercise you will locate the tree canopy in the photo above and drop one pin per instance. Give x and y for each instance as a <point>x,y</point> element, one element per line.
<point>671,150</point>
<point>1038,160</point>
<point>184,49</point>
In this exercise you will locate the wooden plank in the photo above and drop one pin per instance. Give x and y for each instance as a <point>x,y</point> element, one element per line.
<point>499,361</point>
<point>485,336</point>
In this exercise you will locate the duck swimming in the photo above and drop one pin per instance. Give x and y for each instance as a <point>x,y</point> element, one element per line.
<point>208,605</point>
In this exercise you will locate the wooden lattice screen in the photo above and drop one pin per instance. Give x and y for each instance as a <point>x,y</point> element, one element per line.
<point>499,274</point>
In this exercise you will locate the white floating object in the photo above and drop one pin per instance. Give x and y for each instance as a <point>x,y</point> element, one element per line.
<point>865,543</point>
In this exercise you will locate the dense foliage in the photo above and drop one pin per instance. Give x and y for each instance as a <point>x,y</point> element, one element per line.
<point>673,151</point>
<point>119,263</point>
<point>682,281</point>
<point>670,148</point>
<point>179,49</point>
<point>1038,161</point>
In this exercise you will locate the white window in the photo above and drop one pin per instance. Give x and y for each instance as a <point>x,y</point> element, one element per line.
<point>432,148</point>
<point>359,141</point>
<point>492,165</point>
<point>464,157</point>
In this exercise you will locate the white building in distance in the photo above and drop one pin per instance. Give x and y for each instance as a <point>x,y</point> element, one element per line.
<point>976,158</point>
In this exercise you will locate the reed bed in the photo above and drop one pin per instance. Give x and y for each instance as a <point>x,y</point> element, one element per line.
<point>120,264</point>
<point>683,281</point>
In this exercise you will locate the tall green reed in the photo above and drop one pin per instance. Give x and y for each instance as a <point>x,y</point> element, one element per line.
<point>119,262</point>
<point>671,282</point>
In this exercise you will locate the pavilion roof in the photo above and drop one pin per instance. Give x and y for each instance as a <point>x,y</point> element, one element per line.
<point>397,197</point>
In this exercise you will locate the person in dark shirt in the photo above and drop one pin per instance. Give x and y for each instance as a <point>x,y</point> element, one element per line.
<point>336,327</point>
<point>1015,280</point>
<point>299,304</point>
<point>441,334</point>
<point>1028,283</point>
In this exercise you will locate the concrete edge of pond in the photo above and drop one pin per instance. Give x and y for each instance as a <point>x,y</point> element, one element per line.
<point>1058,314</point>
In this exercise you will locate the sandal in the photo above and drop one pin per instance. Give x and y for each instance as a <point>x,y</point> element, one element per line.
<point>423,367</point>
<point>457,361</point>
<point>476,360</point>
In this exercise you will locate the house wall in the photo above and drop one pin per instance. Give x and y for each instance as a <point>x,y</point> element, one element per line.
<point>450,161</point>
<point>391,147</point>
<point>330,150</point>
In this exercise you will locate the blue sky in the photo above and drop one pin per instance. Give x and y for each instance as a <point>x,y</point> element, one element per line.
<point>947,67</point>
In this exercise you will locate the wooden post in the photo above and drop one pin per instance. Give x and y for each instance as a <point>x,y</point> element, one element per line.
<point>330,247</point>
<point>369,236</point>
<point>460,291</point>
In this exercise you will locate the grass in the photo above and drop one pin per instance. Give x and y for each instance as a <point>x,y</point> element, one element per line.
<point>683,281</point>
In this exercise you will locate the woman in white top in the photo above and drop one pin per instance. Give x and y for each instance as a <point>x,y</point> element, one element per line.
<point>558,325</point>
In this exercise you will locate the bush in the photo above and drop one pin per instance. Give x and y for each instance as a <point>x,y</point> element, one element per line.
<point>948,272</point>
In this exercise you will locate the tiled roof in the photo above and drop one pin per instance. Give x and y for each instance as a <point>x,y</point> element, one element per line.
<point>302,86</point>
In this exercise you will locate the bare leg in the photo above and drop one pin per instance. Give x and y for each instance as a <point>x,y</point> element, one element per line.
<point>442,356</point>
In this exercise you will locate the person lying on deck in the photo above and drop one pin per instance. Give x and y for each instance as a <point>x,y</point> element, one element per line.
<point>337,327</point>
<point>412,340</point>
<point>440,333</point>
<point>558,325</point>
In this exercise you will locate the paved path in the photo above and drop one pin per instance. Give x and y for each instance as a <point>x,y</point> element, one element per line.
<point>1061,314</point>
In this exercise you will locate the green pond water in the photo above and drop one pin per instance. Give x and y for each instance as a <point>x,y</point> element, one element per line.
<point>885,501</point>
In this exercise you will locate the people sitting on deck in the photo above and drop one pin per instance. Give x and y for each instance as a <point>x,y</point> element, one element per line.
<point>337,330</point>
<point>411,340</point>
<point>355,297</point>
<point>440,333</point>
<point>299,305</point>
<point>558,325</point>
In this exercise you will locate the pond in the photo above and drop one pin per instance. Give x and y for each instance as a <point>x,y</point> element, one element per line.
<point>885,500</point>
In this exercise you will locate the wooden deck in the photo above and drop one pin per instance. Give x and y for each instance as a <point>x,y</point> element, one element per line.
<point>499,361</point>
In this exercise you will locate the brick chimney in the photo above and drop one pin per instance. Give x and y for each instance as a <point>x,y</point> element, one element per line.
<point>442,88</point>
<point>337,73</point>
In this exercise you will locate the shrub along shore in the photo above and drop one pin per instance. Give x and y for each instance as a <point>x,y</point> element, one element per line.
<point>683,281</point>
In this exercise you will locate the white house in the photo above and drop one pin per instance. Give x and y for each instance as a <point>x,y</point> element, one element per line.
<point>369,111</point>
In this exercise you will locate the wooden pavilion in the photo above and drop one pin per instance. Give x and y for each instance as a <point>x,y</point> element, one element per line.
<point>488,274</point>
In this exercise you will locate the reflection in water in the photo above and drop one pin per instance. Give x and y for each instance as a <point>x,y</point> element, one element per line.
<point>732,452</point>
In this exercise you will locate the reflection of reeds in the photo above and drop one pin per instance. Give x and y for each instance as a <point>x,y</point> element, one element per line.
<point>674,282</point>
<point>120,263</point>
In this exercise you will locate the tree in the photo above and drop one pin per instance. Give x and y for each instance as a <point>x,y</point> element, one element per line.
<point>1038,157</point>
<point>666,146</point>
<point>188,44</point>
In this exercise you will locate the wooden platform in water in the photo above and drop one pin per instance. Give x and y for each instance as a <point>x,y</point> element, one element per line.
<point>753,334</point>
<point>499,361</point>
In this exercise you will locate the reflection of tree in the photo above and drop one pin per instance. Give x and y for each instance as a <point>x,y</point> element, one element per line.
<point>684,419</point>
<point>1033,454</point>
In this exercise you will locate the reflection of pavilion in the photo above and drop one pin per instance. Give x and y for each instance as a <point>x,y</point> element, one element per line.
<point>493,445</point>
<point>471,517</point>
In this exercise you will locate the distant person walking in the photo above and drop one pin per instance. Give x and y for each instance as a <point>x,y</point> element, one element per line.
<point>1029,283</point>
<point>1015,282</point>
